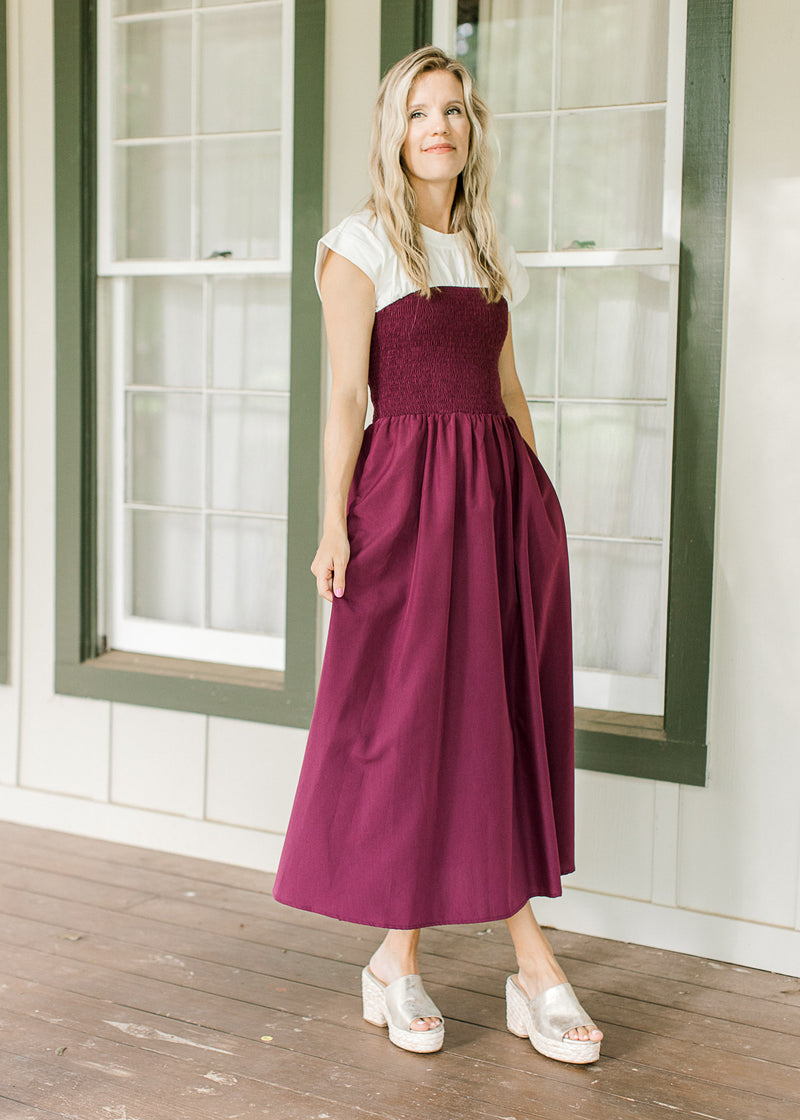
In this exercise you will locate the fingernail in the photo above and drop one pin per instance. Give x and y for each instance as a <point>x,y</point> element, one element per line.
<point>338,592</point>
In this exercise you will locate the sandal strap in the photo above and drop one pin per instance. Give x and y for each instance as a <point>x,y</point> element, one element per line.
<point>557,1010</point>
<point>407,1000</point>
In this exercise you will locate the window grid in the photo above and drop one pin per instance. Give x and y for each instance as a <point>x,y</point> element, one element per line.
<point>202,642</point>
<point>111,263</point>
<point>597,688</point>
<point>138,633</point>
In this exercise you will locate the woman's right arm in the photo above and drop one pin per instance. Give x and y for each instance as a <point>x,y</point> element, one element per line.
<point>348,303</point>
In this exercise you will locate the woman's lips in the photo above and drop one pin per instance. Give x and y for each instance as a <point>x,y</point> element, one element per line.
<point>440,148</point>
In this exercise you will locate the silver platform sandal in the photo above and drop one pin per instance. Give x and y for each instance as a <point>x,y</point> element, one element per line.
<point>397,1005</point>
<point>547,1019</point>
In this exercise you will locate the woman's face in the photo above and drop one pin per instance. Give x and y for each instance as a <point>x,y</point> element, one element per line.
<point>437,139</point>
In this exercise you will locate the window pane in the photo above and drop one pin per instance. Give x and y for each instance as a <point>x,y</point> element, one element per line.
<point>133,7</point>
<point>153,77</point>
<point>166,336</point>
<point>165,464</point>
<point>611,460</point>
<point>616,332</point>
<point>521,188</point>
<point>533,330</point>
<point>519,30</point>
<point>153,201</point>
<point>251,333</point>
<point>543,418</point>
<point>248,575</point>
<point>609,179</point>
<point>249,453</point>
<point>240,196</point>
<point>166,581</point>
<point>616,600</point>
<point>613,52</point>
<point>240,55</point>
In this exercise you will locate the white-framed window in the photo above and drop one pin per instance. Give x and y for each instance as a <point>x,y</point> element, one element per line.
<point>194,149</point>
<point>588,103</point>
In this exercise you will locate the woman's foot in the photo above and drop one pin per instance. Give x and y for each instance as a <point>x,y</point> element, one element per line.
<point>396,956</point>
<point>538,967</point>
<point>546,976</point>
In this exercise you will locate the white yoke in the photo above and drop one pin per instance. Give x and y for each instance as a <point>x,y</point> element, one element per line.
<point>362,239</point>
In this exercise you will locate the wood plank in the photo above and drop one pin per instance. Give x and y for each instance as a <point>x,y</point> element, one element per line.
<point>463,994</point>
<point>190,948</point>
<point>618,1076</point>
<point>281,1067</point>
<point>55,884</point>
<point>152,1088</point>
<point>13,1110</point>
<point>783,989</point>
<point>130,855</point>
<point>513,1092</point>
<point>749,1074</point>
<point>587,978</point>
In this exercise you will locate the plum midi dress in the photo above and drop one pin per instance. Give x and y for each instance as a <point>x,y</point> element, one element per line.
<point>437,785</point>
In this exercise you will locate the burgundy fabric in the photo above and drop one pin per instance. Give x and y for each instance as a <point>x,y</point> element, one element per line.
<point>422,359</point>
<point>438,781</point>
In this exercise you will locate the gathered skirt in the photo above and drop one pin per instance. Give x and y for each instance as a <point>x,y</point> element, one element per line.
<point>438,781</point>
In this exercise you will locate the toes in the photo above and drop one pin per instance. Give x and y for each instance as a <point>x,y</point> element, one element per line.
<point>583,1034</point>
<point>426,1024</point>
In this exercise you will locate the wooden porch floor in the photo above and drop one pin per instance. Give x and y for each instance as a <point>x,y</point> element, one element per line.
<point>136,985</point>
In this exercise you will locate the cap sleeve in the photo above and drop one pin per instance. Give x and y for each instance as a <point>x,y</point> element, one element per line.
<point>517,275</point>
<point>354,239</point>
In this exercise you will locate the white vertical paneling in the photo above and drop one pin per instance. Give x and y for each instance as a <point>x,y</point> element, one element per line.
<point>10,693</point>
<point>9,734</point>
<point>352,75</point>
<point>665,843</point>
<point>64,739</point>
<point>613,834</point>
<point>252,773</point>
<point>158,759</point>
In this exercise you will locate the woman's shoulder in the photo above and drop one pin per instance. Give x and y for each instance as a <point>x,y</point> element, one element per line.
<point>360,225</point>
<point>360,238</point>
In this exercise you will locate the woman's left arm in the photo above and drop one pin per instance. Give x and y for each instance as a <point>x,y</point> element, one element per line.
<point>513,393</point>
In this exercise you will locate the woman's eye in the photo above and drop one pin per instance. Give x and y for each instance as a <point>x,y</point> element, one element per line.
<point>416,113</point>
<point>454,109</point>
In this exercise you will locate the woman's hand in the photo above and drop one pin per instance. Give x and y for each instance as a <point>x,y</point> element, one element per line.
<point>330,563</point>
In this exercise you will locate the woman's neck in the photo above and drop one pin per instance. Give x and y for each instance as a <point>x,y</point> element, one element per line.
<point>434,203</point>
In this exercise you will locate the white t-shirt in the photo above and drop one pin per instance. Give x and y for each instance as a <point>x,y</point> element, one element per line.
<point>362,239</point>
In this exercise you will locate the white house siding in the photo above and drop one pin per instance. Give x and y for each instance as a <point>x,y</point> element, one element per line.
<point>714,870</point>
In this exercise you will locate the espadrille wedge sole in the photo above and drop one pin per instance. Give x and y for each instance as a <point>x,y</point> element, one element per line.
<point>547,1019</point>
<point>397,1005</point>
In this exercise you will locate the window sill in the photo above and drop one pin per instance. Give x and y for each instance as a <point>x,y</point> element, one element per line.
<point>620,723</point>
<point>259,695</point>
<point>122,661</point>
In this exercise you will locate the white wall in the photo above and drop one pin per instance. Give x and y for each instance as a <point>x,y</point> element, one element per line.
<point>714,870</point>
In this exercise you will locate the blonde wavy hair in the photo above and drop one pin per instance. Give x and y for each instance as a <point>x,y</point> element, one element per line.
<point>393,199</point>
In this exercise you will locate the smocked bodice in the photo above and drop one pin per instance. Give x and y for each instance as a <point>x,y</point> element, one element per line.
<point>438,355</point>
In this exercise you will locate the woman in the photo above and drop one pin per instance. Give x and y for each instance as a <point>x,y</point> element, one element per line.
<point>437,785</point>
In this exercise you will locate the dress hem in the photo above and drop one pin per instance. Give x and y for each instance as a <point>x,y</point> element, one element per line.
<point>426,924</point>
